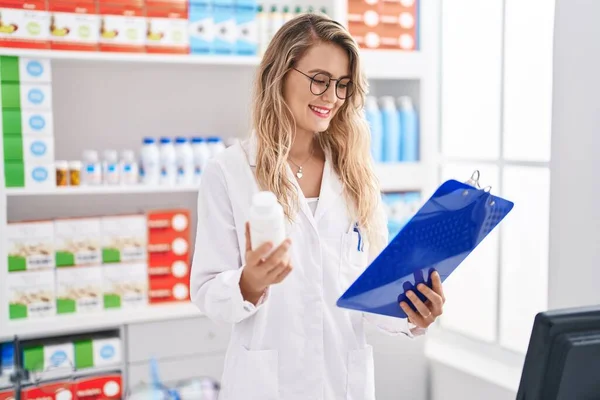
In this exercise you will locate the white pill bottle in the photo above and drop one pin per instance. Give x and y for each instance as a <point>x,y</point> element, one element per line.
<point>267,220</point>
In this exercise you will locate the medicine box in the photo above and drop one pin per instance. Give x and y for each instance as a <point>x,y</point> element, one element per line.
<point>25,70</point>
<point>170,289</point>
<point>247,30</point>
<point>124,238</point>
<point>99,387</point>
<point>225,26</point>
<point>31,175</point>
<point>24,24</point>
<point>75,25</point>
<point>30,246</point>
<point>101,352</point>
<point>26,96</point>
<point>175,268</point>
<point>49,357</point>
<point>79,290</point>
<point>56,390</point>
<point>29,148</point>
<point>167,26</point>
<point>123,25</point>
<point>201,26</point>
<point>31,294</point>
<point>27,122</point>
<point>125,285</point>
<point>78,241</point>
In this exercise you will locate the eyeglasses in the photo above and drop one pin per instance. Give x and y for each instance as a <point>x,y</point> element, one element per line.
<point>319,83</point>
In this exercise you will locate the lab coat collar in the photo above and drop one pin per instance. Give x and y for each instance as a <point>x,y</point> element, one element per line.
<point>331,186</point>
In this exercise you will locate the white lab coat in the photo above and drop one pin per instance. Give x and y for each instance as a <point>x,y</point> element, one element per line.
<point>296,344</point>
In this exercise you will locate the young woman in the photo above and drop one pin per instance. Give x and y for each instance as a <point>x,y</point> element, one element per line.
<point>310,146</point>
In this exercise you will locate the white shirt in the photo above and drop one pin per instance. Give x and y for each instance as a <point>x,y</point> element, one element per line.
<point>312,204</point>
<point>296,344</point>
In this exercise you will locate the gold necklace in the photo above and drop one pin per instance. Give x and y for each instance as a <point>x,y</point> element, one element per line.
<point>299,173</point>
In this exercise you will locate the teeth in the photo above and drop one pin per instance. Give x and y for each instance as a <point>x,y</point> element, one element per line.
<point>323,111</point>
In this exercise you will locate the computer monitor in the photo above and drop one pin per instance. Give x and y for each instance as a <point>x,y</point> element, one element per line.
<point>563,357</point>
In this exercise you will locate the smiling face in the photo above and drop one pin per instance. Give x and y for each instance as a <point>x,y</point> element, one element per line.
<point>313,113</point>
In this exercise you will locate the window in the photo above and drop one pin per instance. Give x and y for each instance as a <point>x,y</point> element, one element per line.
<point>496,99</point>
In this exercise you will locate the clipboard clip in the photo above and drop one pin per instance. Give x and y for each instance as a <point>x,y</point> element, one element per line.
<point>474,182</point>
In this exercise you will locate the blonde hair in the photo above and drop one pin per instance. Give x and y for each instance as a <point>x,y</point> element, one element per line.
<point>347,139</point>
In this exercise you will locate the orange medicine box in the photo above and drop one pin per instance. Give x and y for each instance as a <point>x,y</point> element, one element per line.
<point>48,391</point>
<point>384,24</point>
<point>74,25</point>
<point>24,24</point>
<point>122,25</point>
<point>168,255</point>
<point>167,290</point>
<point>167,26</point>
<point>99,387</point>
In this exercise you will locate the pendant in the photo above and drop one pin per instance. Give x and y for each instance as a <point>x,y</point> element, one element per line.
<point>299,173</point>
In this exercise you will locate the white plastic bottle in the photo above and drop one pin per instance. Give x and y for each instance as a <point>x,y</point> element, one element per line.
<point>168,162</point>
<point>185,161</point>
<point>201,156</point>
<point>110,167</point>
<point>267,221</point>
<point>215,145</point>
<point>91,173</point>
<point>129,168</point>
<point>150,162</point>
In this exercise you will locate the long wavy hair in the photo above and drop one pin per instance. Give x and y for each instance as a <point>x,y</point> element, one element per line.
<point>347,140</point>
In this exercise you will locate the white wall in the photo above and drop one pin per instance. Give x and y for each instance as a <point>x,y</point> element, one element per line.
<point>575,188</point>
<point>575,214</point>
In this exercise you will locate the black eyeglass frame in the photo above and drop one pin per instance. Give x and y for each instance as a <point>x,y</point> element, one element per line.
<point>337,81</point>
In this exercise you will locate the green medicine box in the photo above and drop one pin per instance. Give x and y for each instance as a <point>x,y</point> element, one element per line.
<point>11,95</point>
<point>13,147</point>
<point>14,174</point>
<point>12,122</point>
<point>9,69</point>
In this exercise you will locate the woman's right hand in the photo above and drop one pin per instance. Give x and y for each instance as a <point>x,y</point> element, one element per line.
<point>261,271</point>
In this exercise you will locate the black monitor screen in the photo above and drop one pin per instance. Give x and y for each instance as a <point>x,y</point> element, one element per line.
<point>563,357</point>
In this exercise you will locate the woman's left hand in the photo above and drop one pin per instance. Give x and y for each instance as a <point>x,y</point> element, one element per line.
<point>427,312</point>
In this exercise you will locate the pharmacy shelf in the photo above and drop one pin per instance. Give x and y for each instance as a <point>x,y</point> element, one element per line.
<point>104,189</point>
<point>394,176</point>
<point>382,64</point>
<point>378,64</point>
<point>107,319</point>
<point>401,177</point>
<point>96,56</point>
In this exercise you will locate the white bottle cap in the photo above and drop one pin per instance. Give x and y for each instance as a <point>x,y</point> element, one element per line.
<point>405,102</point>
<point>90,156</point>
<point>371,103</point>
<point>263,201</point>
<point>74,165</point>
<point>60,164</point>
<point>111,156</point>
<point>388,102</point>
<point>128,156</point>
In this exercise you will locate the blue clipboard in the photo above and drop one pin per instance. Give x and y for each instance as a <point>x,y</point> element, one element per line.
<point>446,229</point>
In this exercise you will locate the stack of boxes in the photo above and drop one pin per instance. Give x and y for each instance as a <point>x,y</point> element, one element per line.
<point>125,256</point>
<point>138,26</point>
<point>78,265</point>
<point>169,256</point>
<point>384,24</point>
<point>59,358</point>
<point>84,265</point>
<point>27,124</point>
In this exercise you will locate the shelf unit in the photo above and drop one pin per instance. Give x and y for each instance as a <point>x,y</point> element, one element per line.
<point>108,319</point>
<point>111,100</point>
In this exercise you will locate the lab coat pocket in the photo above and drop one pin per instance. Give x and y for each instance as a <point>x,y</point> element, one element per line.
<point>353,260</point>
<point>256,375</point>
<point>360,384</point>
